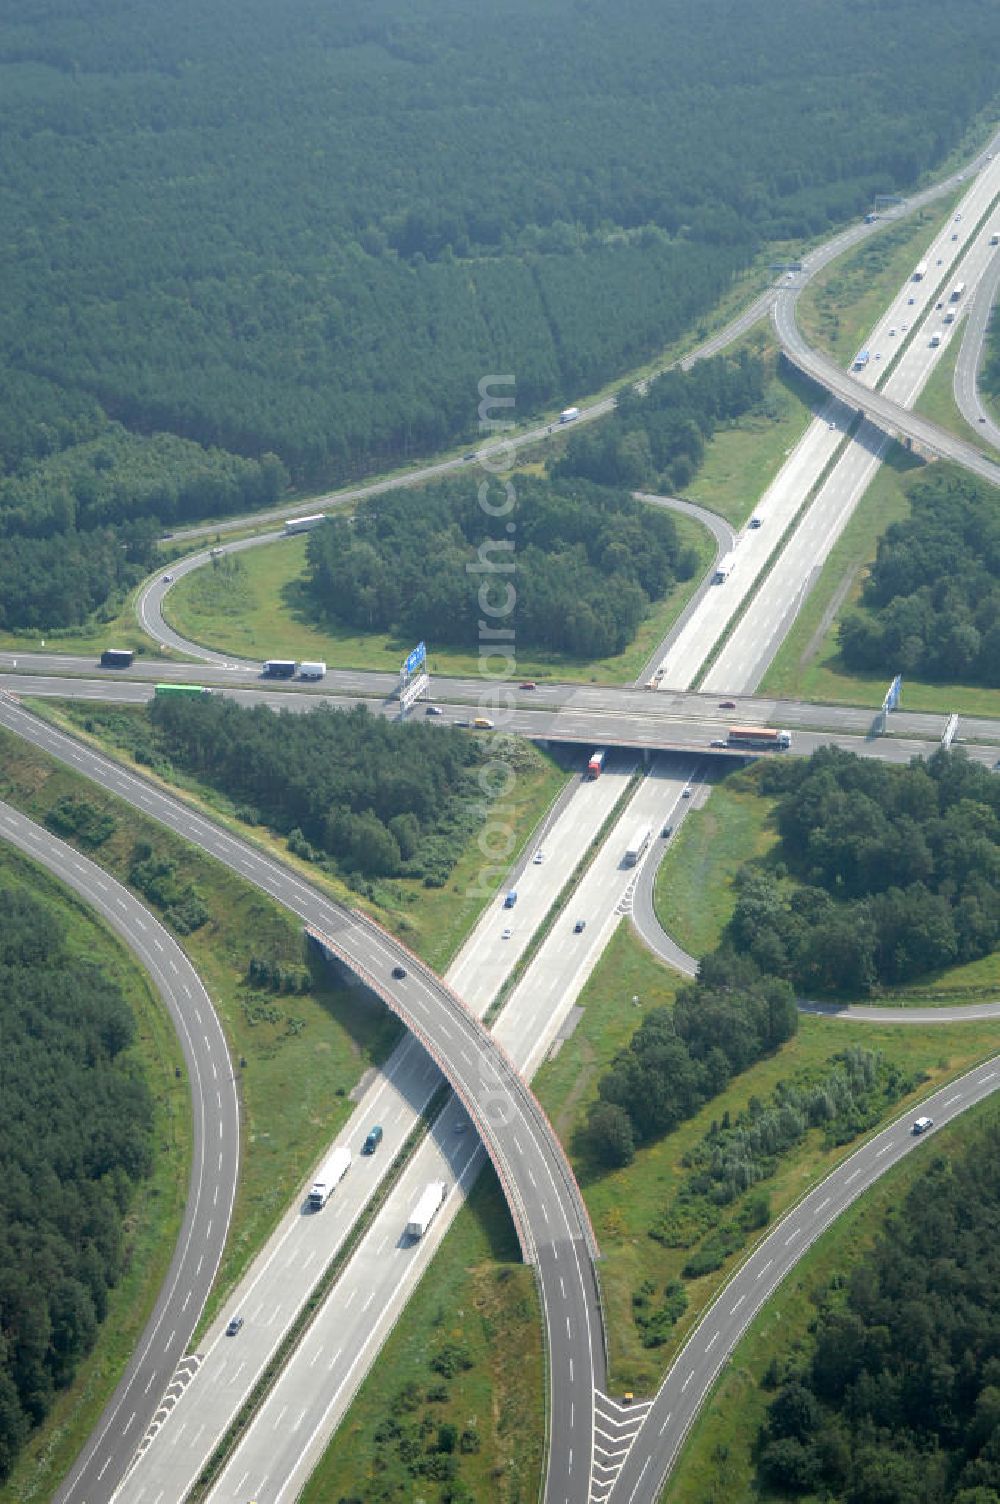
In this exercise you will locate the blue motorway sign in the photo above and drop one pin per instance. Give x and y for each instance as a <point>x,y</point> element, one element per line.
<point>895,690</point>
<point>416,658</point>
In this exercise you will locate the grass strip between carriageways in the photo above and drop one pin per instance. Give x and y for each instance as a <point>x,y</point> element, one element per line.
<point>313,1305</point>
<point>565,894</point>
<point>775,554</point>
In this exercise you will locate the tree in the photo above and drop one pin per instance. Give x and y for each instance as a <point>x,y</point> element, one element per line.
<point>610,1132</point>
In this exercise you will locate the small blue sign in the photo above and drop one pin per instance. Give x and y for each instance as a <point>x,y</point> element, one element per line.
<point>416,658</point>
<point>895,690</point>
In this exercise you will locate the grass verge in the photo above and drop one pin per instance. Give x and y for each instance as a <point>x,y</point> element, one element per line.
<point>841,305</point>
<point>693,895</point>
<point>716,1465</point>
<point>434,921</point>
<point>741,461</point>
<point>808,665</point>
<point>254,605</point>
<point>452,1409</point>
<point>154,1217</point>
<point>297,1057</point>
<point>624,1204</point>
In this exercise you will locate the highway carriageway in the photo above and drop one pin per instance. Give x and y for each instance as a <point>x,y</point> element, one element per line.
<point>630,719</point>
<point>548,1209</point>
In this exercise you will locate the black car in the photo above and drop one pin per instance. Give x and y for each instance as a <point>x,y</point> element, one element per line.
<point>399,972</point>
<point>373,1140</point>
<point>668,831</point>
<point>234,1326</point>
<point>579,926</point>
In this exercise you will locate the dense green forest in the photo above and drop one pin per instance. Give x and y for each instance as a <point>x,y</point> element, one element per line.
<point>431,563</point>
<point>882,874</point>
<point>76,1138</point>
<point>931,604</point>
<point>376,798</point>
<point>312,229</point>
<point>897,1400</point>
<point>657,438</point>
<point>894,872</point>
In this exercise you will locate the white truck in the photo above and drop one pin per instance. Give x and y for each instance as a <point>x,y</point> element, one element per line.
<point>329,1177</point>
<point>304,524</point>
<point>637,845</point>
<point>920,271</point>
<point>935,339</point>
<point>312,670</point>
<point>569,414</point>
<point>724,568</point>
<point>426,1208</point>
<point>957,291</point>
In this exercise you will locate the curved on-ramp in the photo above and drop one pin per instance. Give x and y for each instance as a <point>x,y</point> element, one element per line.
<point>547,1206</point>
<point>162,1347</point>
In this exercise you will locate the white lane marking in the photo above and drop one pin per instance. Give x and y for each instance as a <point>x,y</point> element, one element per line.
<point>687,1381</point>
<point>765,1269</point>
<point>821,1206</point>
<point>792,1236</point>
<point>853,1176</point>
<point>712,1339</point>
<point>666,1423</point>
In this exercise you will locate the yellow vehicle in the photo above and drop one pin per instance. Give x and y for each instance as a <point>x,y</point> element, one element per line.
<point>483,723</point>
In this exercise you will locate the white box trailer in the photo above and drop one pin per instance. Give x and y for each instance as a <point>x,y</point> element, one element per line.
<point>332,1173</point>
<point>724,568</point>
<point>569,415</point>
<point>426,1208</point>
<point>637,845</point>
<point>920,271</point>
<point>304,524</point>
<point>312,670</point>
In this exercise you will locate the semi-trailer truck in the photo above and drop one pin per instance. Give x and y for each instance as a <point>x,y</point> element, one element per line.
<point>279,668</point>
<point>724,568</point>
<point>920,271</point>
<point>117,658</point>
<point>595,766</point>
<point>424,1212</point>
<point>304,524</point>
<point>957,291</point>
<point>637,845</point>
<point>329,1177</point>
<point>569,414</point>
<point>759,736</point>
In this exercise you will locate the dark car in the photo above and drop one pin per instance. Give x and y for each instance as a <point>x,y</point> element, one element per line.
<point>373,1140</point>
<point>399,972</point>
<point>718,741</point>
<point>234,1326</point>
<point>434,710</point>
<point>579,926</point>
<point>668,831</point>
<point>727,704</point>
<point>527,684</point>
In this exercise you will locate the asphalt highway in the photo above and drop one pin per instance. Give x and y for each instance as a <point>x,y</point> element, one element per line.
<point>634,729</point>
<point>966,382</point>
<point>704,1355</point>
<point>161,1357</point>
<point>548,1210</point>
<point>359,945</point>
